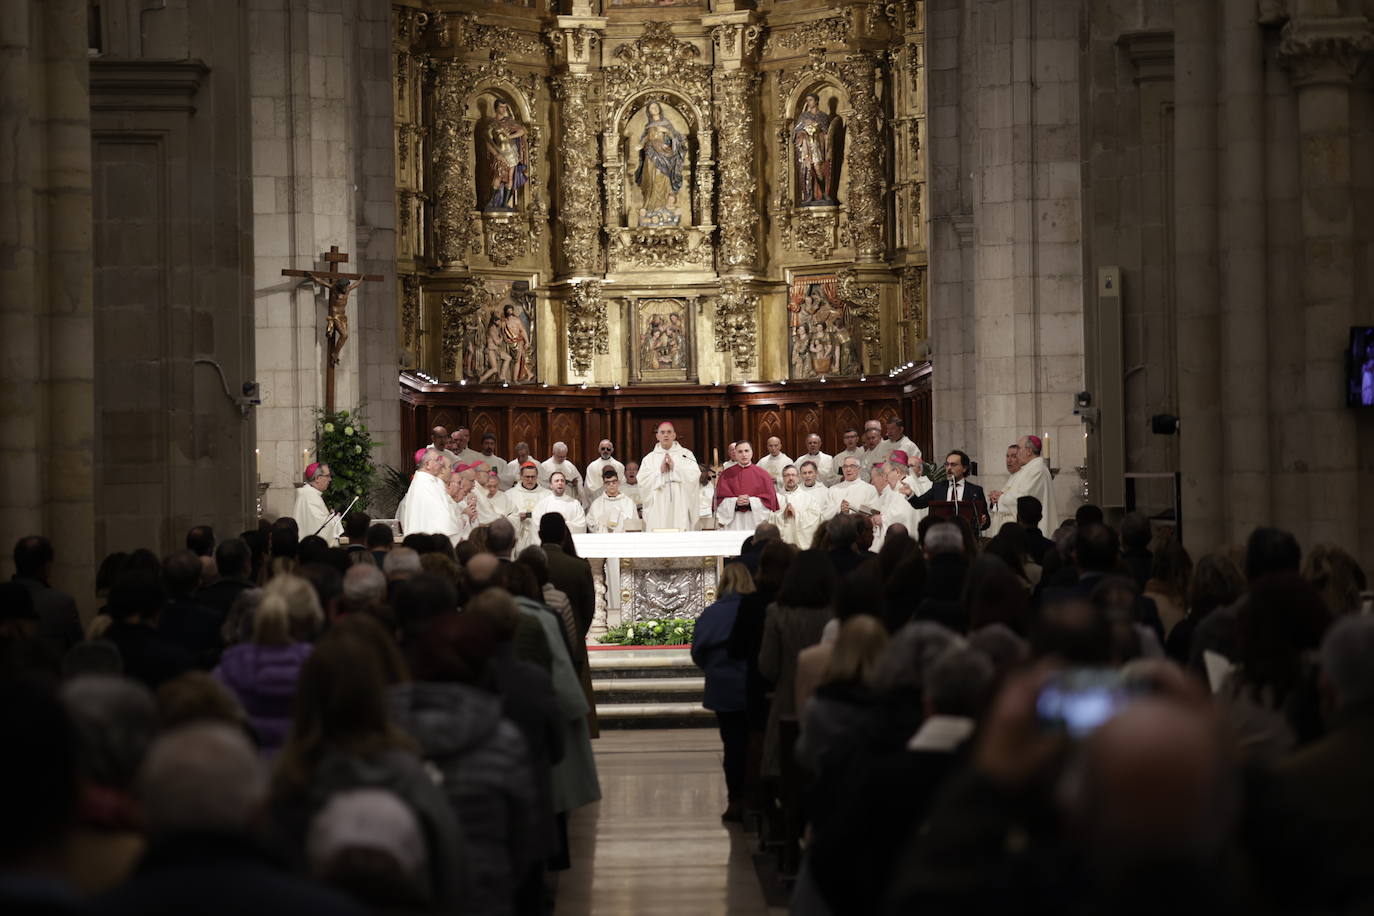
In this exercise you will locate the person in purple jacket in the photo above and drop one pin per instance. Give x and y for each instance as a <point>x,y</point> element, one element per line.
<point>725,679</point>
<point>263,672</point>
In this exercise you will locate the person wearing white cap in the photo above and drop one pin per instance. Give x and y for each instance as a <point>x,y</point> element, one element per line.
<point>369,844</point>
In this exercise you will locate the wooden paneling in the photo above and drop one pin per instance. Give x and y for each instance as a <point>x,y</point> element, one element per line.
<point>706,416</point>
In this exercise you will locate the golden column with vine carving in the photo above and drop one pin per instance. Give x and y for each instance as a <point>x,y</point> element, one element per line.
<point>867,186</point>
<point>579,211</point>
<point>738,193</point>
<point>453,189</point>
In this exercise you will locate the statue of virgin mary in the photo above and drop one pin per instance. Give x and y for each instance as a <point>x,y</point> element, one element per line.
<point>662,152</point>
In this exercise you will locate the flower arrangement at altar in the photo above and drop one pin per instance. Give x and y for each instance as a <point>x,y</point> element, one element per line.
<point>342,442</point>
<point>673,631</point>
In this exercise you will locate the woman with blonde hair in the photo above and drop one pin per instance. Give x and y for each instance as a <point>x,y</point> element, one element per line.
<point>262,672</point>
<point>845,700</point>
<point>725,679</point>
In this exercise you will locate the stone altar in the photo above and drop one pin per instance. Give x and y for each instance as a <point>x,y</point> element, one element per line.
<point>648,575</point>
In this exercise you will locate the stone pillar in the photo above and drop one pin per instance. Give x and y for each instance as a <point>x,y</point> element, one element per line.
<point>1195,257</point>
<point>1323,55</point>
<point>1244,330</point>
<point>47,416</point>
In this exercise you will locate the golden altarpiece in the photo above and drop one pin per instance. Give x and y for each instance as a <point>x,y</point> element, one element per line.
<point>622,192</point>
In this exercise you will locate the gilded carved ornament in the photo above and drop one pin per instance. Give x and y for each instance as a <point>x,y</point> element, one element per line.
<point>588,332</point>
<point>459,312</point>
<point>737,40</point>
<point>812,34</point>
<point>647,248</point>
<point>735,122</point>
<point>863,303</point>
<point>864,157</point>
<point>410,311</point>
<point>737,322</point>
<point>914,298</point>
<point>471,35</point>
<point>657,58</point>
<point>578,198</point>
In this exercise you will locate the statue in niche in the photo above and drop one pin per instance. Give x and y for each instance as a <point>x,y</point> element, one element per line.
<point>662,154</point>
<point>507,157</point>
<point>815,135</point>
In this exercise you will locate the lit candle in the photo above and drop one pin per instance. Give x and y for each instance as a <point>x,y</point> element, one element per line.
<point>1045,448</point>
<point>257,454</point>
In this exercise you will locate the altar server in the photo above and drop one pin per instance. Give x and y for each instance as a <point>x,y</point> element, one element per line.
<point>310,511</point>
<point>612,509</point>
<point>668,482</point>
<point>558,461</point>
<point>745,493</point>
<point>800,510</point>
<point>605,459</point>
<point>524,496</point>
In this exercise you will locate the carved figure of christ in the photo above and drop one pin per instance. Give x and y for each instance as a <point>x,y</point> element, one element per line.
<point>339,285</point>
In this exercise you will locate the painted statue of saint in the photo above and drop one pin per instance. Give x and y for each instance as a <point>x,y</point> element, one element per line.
<point>662,152</point>
<point>507,157</point>
<point>813,135</point>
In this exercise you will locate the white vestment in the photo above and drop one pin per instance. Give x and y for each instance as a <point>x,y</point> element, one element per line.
<point>449,456</point>
<point>904,445</point>
<point>868,458</point>
<point>469,456</point>
<point>310,513</point>
<point>774,467</point>
<point>428,508</point>
<point>512,473</point>
<point>486,465</point>
<point>895,510</point>
<point>608,511</point>
<point>490,508</point>
<point>825,467</point>
<point>632,490</point>
<point>594,482</point>
<point>728,517</point>
<point>915,486</point>
<point>670,498</point>
<point>566,506</point>
<point>1032,480</point>
<point>857,454</point>
<point>570,472</point>
<point>461,521</point>
<point>522,500</point>
<point>808,509</point>
<point>858,493</point>
<point>706,498</point>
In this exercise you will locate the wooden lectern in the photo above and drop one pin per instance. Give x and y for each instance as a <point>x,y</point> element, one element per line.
<point>972,511</point>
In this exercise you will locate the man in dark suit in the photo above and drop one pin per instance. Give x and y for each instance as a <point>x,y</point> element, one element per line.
<point>1028,515</point>
<point>955,486</point>
<point>234,561</point>
<point>59,623</point>
<point>570,574</point>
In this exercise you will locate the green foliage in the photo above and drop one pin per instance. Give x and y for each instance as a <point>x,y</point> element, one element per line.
<point>674,631</point>
<point>342,442</point>
<point>390,490</point>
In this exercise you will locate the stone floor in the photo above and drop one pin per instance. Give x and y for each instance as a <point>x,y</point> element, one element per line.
<point>655,843</point>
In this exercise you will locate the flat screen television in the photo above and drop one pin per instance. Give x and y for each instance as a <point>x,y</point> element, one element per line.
<point>1359,373</point>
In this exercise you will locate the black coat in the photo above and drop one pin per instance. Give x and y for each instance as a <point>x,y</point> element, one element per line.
<point>149,657</point>
<point>940,493</point>
<point>59,623</point>
<point>212,874</point>
<point>573,577</point>
<point>219,596</point>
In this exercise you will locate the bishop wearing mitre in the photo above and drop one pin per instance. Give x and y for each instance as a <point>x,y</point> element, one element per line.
<point>893,508</point>
<point>1033,479</point>
<point>800,509</point>
<point>668,480</point>
<point>310,512</point>
<point>612,509</point>
<point>745,493</point>
<point>462,484</point>
<point>428,505</point>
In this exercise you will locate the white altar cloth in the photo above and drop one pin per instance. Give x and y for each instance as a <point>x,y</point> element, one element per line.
<point>623,547</point>
<point>654,544</point>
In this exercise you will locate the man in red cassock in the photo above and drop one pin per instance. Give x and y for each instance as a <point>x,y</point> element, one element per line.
<point>745,492</point>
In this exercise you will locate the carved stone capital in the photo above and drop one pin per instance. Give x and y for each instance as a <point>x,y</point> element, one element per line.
<point>574,41</point>
<point>1325,51</point>
<point>736,38</point>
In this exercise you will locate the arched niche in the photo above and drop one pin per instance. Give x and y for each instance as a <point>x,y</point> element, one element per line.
<point>658,137</point>
<point>817,118</point>
<point>503,147</point>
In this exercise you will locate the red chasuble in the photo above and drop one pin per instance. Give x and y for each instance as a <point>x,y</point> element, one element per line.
<point>751,481</point>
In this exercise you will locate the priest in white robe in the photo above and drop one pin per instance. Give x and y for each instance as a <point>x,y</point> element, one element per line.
<point>851,494</point>
<point>561,501</point>
<point>745,494</point>
<point>852,449</point>
<point>439,440</point>
<point>487,460</point>
<point>558,461</point>
<point>631,485</point>
<point>612,509</point>
<point>522,456</point>
<point>875,450</point>
<point>669,478</point>
<point>310,511</point>
<point>524,496</point>
<point>1033,479</point>
<point>897,440</point>
<point>800,510</point>
<point>893,508</point>
<point>458,444</point>
<point>774,461</point>
<point>810,480</point>
<point>909,482</point>
<point>462,484</point>
<point>493,502</point>
<point>428,506</point>
<point>605,451</point>
<point>825,464</point>
<point>706,500</point>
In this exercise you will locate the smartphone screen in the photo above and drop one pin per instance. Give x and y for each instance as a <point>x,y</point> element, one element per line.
<point>1079,700</point>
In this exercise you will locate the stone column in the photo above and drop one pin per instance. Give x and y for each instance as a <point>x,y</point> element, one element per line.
<point>47,415</point>
<point>1323,55</point>
<point>1244,327</point>
<point>1195,257</point>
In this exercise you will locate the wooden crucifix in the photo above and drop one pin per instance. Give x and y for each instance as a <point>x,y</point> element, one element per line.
<point>339,285</point>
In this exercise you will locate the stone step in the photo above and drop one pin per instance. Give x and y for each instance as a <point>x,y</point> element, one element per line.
<point>648,690</point>
<point>654,715</point>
